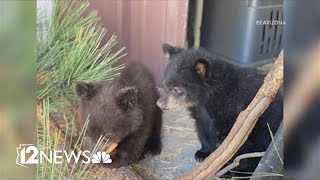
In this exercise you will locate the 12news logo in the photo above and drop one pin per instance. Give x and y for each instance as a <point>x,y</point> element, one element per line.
<point>28,154</point>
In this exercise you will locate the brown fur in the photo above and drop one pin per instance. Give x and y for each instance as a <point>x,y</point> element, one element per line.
<point>124,111</point>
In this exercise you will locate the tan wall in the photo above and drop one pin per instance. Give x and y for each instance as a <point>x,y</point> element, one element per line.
<point>143,25</point>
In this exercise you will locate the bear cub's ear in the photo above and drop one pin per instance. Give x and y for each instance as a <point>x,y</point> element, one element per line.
<point>127,97</point>
<point>86,89</point>
<point>169,50</point>
<point>201,67</point>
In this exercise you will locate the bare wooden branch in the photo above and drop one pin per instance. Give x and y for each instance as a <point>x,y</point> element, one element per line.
<point>53,125</point>
<point>243,125</point>
<point>236,162</point>
<point>77,117</point>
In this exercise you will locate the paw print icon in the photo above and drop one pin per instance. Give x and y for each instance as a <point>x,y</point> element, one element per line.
<point>101,157</point>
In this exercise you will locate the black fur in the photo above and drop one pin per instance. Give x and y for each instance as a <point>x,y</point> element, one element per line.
<point>216,98</point>
<point>124,110</point>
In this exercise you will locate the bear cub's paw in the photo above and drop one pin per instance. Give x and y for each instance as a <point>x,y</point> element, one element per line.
<point>153,146</point>
<point>201,155</point>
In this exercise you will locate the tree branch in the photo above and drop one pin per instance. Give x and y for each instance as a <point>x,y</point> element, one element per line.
<point>243,125</point>
<point>236,162</point>
<point>53,125</point>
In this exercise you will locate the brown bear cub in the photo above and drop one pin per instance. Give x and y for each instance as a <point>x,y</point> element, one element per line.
<point>124,110</point>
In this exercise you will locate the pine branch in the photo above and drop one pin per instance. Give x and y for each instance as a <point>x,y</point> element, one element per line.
<point>70,50</point>
<point>105,173</point>
<point>53,125</point>
<point>243,125</point>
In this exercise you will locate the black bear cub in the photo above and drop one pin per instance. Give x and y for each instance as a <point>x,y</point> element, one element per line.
<point>215,92</point>
<point>124,110</point>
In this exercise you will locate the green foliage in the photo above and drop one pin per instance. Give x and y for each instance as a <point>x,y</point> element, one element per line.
<point>274,145</point>
<point>48,142</point>
<point>70,50</point>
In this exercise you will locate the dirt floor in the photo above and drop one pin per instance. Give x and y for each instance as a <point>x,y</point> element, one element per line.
<point>179,141</point>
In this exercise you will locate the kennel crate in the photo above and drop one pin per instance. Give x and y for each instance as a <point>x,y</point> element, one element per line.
<point>230,30</point>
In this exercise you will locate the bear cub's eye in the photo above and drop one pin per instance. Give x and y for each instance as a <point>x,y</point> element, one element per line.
<point>177,91</point>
